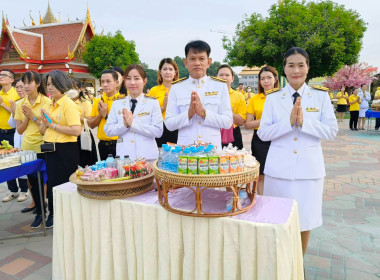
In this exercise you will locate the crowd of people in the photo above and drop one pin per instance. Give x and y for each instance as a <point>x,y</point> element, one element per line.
<point>287,123</point>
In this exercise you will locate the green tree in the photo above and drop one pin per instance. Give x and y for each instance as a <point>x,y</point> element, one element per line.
<point>151,76</point>
<point>330,34</point>
<point>103,52</point>
<point>213,69</point>
<point>183,72</point>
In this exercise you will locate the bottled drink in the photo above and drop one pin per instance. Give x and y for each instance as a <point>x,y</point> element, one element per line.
<point>160,155</point>
<point>127,166</point>
<point>109,160</point>
<point>174,160</point>
<point>116,161</point>
<point>165,158</point>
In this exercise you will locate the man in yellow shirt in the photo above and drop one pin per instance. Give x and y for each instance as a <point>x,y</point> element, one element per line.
<point>7,93</point>
<point>100,110</point>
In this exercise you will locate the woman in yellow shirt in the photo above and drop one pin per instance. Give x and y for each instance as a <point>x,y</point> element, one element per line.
<point>61,126</point>
<point>268,80</point>
<point>354,101</point>
<point>28,121</point>
<point>78,96</point>
<point>342,103</point>
<point>238,106</point>
<point>167,73</point>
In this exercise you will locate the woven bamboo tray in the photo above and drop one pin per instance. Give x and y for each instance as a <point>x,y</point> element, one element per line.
<point>233,182</point>
<point>113,190</point>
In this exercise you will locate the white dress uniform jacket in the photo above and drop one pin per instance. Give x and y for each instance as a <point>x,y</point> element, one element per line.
<point>216,101</point>
<point>139,139</point>
<point>295,152</point>
<point>364,105</point>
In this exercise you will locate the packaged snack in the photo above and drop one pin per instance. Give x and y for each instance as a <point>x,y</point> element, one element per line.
<point>182,164</point>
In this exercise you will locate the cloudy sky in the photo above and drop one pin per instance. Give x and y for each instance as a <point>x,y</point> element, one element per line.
<point>161,28</point>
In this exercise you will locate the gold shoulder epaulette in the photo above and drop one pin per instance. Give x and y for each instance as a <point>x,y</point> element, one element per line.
<point>179,80</point>
<point>272,90</point>
<point>122,96</point>
<point>151,97</point>
<point>321,88</point>
<point>217,79</point>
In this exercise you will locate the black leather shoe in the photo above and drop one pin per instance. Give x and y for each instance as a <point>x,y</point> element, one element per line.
<point>26,209</point>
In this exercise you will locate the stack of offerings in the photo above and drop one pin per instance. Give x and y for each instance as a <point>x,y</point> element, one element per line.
<point>201,159</point>
<point>114,169</point>
<point>10,156</point>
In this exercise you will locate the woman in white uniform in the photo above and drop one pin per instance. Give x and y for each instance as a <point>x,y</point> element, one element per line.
<point>295,118</point>
<point>365,97</point>
<point>136,119</point>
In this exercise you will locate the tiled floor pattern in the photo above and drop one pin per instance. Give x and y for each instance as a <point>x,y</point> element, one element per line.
<point>347,246</point>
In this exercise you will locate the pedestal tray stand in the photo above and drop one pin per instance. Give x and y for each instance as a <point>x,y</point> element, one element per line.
<point>113,190</point>
<point>234,182</point>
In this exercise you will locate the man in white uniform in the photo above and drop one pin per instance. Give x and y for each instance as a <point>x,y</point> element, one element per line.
<point>198,106</point>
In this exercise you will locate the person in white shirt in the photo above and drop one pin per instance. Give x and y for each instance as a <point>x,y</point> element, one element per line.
<point>294,119</point>
<point>136,119</point>
<point>365,97</point>
<point>198,106</point>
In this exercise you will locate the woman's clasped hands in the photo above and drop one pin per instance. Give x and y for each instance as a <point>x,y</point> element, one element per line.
<point>296,116</point>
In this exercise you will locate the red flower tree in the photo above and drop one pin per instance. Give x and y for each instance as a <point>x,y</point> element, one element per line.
<point>352,76</point>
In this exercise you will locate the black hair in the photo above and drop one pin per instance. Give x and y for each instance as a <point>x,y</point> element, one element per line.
<point>226,66</point>
<point>112,72</point>
<point>240,84</point>
<point>33,76</point>
<point>296,50</point>
<point>362,85</point>
<point>120,70</point>
<point>77,84</point>
<point>198,46</point>
<point>19,80</point>
<point>60,80</point>
<point>10,71</point>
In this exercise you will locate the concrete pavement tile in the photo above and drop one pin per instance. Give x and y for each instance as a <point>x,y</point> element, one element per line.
<point>322,233</point>
<point>375,220</point>
<point>361,194</point>
<point>10,250</point>
<point>40,248</point>
<point>340,204</point>
<point>375,195</point>
<point>11,242</point>
<point>317,262</point>
<point>345,197</point>
<point>356,263</point>
<point>347,244</point>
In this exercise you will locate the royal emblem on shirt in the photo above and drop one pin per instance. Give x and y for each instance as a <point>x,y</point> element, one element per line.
<point>142,114</point>
<point>211,93</point>
<point>312,109</point>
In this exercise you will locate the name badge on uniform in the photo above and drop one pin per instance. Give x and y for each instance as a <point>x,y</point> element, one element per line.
<point>211,93</point>
<point>143,114</point>
<point>312,109</point>
<point>119,112</point>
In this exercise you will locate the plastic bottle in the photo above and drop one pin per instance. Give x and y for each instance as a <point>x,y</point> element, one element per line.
<point>116,161</point>
<point>109,160</point>
<point>160,155</point>
<point>127,162</point>
<point>165,158</point>
<point>174,160</point>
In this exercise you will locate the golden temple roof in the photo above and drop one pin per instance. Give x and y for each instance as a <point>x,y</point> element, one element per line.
<point>49,17</point>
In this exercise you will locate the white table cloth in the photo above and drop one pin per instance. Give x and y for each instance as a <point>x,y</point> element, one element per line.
<point>136,238</point>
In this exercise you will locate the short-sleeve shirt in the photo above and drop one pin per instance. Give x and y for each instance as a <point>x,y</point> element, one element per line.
<point>158,92</point>
<point>69,116</point>
<point>94,112</point>
<point>355,106</point>
<point>32,138</point>
<point>11,94</point>
<point>341,100</point>
<point>85,108</point>
<point>256,106</point>
<point>238,105</point>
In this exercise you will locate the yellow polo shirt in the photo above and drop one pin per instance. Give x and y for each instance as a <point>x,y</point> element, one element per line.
<point>158,92</point>
<point>85,108</point>
<point>32,138</point>
<point>256,106</point>
<point>11,94</point>
<point>94,112</point>
<point>377,93</point>
<point>69,116</point>
<point>355,106</point>
<point>341,100</point>
<point>238,105</point>
<point>331,95</point>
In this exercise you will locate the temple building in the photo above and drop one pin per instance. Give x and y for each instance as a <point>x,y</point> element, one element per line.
<point>51,45</point>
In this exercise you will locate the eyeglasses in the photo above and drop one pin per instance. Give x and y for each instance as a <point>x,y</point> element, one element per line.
<point>5,75</point>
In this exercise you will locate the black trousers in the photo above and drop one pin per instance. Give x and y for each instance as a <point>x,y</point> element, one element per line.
<point>354,119</point>
<point>377,125</point>
<point>167,136</point>
<point>106,148</point>
<point>88,157</point>
<point>9,136</point>
<point>260,150</point>
<point>238,139</point>
<point>33,180</point>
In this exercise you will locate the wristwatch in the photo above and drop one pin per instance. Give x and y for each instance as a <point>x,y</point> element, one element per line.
<point>34,119</point>
<point>106,117</point>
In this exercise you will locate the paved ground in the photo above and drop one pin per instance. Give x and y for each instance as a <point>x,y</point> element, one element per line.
<point>347,246</point>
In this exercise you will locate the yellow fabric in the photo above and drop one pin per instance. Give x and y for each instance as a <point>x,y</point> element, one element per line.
<point>159,93</point>
<point>238,105</point>
<point>122,239</point>
<point>256,106</point>
<point>248,96</point>
<point>377,93</point>
<point>331,95</point>
<point>85,108</point>
<point>70,116</point>
<point>341,100</point>
<point>32,138</point>
<point>11,94</point>
<point>94,112</point>
<point>355,106</point>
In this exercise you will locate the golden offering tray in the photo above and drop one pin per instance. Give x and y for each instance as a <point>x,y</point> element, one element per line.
<point>113,190</point>
<point>233,182</point>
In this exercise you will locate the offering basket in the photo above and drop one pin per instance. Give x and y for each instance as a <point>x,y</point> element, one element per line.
<point>168,182</point>
<point>113,190</point>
